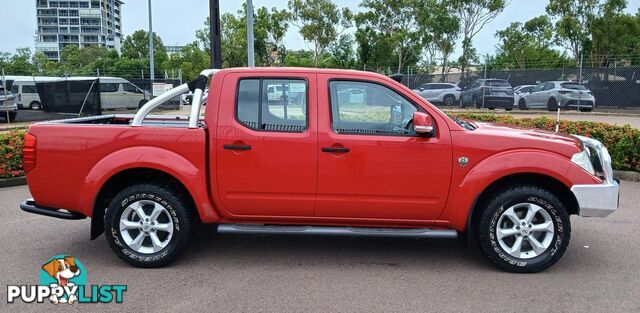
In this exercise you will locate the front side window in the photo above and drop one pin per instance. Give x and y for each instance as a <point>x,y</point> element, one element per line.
<point>131,88</point>
<point>368,108</point>
<point>273,104</point>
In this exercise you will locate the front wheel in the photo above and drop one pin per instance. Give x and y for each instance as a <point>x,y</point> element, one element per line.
<point>148,225</point>
<point>449,100</point>
<point>524,229</point>
<point>522,104</point>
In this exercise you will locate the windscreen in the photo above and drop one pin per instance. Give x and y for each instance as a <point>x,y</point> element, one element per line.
<point>498,83</point>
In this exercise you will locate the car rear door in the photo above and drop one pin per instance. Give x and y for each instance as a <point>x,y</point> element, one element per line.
<point>370,165</point>
<point>266,147</point>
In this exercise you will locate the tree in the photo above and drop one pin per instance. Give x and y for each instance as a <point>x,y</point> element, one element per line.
<point>19,63</point>
<point>440,28</point>
<point>396,20</point>
<point>527,45</point>
<point>341,54</point>
<point>136,46</point>
<point>318,21</point>
<point>614,34</point>
<point>473,16</point>
<point>573,21</point>
<point>269,28</point>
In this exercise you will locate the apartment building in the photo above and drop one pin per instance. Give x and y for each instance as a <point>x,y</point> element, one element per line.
<point>78,22</point>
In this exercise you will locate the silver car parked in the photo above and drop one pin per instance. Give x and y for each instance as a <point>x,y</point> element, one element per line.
<point>444,93</point>
<point>8,106</point>
<point>553,94</point>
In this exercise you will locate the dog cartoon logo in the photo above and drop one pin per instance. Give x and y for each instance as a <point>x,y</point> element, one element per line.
<point>63,272</point>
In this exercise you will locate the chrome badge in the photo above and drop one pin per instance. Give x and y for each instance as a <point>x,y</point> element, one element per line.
<point>463,161</point>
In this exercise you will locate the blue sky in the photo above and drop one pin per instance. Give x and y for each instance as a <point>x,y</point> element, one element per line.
<point>176,20</point>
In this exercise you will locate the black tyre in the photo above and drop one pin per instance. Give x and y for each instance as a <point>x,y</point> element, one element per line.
<point>142,102</point>
<point>12,116</point>
<point>148,225</point>
<point>524,229</point>
<point>509,107</point>
<point>35,105</point>
<point>552,104</point>
<point>522,105</point>
<point>449,100</point>
<point>586,110</point>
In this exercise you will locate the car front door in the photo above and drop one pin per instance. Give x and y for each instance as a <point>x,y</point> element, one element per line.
<point>371,165</point>
<point>266,146</point>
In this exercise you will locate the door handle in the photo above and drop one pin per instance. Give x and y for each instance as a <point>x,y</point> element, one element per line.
<point>236,147</point>
<point>335,150</point>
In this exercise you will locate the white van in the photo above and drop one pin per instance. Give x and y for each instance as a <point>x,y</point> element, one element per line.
<point>26,93</point>
<point>115,93</point>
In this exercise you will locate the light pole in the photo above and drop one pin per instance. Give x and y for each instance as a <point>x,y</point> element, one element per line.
<point>250,57</point>
<point>214,33</point>
<point>151,65</point>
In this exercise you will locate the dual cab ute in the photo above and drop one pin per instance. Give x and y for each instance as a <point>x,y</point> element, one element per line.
<point>309,151</point>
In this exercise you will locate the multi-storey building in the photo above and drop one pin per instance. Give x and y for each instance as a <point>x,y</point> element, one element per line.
<point>77,22</point>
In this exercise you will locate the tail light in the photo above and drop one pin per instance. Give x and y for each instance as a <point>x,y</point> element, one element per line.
<point>564,92</point>
<point>29,153</point>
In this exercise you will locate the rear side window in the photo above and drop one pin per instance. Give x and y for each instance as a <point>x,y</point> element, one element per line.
<point>29,89</point>
<point>549,86</point>
<point>273,104</point>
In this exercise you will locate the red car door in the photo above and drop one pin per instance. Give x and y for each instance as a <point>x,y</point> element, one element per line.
<point>370,164</point>
<point>266,159</point>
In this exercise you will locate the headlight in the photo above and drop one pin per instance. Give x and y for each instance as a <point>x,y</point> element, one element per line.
<point>583,160</point>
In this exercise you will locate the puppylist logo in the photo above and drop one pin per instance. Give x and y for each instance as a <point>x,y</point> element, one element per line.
<point>63,279</point>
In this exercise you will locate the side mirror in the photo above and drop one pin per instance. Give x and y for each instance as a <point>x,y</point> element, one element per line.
<point>421,89</point>
<point>422,123</point>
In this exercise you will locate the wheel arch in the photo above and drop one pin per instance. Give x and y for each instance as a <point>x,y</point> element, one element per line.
<point>128,177</point>
<point>553,185</point>
<point>131,165</point>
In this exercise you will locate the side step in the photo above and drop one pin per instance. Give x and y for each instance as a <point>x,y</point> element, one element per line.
<point>336,231</point>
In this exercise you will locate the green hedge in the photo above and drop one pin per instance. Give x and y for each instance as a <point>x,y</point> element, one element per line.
<point>11,154</point>
<point>623,142</point>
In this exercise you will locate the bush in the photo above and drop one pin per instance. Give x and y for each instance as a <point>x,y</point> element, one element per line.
<point>11,153</point>
<point>623,142</point>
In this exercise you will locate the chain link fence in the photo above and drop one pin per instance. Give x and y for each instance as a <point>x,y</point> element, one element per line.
<point>33,98</point>
<point>614,88</point>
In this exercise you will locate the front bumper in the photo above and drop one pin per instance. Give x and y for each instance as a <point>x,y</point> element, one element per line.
<point>598,200</point>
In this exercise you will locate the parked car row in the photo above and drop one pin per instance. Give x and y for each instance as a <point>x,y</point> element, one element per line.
<point>498,93</point>
<point>8,106</point>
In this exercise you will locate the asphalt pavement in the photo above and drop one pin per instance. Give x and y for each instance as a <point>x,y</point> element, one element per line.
<point>600,272</point>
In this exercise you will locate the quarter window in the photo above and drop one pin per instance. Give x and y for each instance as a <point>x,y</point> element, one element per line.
<point>368,108</point>
<point>273,104</point>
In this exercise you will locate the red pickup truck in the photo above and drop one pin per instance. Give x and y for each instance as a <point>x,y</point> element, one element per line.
<point>310,151</point>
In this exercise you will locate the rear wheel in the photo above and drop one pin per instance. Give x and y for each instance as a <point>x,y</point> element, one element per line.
<point>142,102</point>
<point>12,116</point>
<point>522,105</point>
<point>148,225</point>
<point>524,229</point>
<point>552,104</point>
<point>586,110</point>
